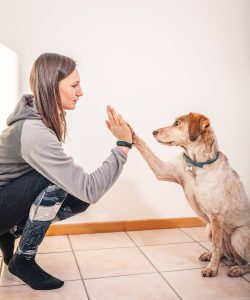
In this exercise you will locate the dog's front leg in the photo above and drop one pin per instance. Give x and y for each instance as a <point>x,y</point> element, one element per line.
<point>162,170</point>
<point>212,268</point>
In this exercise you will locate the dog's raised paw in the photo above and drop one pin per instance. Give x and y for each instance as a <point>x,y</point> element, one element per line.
<point>206,256</point>
<point>235,271</point>
<point>209,272</point>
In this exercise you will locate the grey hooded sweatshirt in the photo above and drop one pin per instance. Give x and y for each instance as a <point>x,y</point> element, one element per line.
<point>27,144</point>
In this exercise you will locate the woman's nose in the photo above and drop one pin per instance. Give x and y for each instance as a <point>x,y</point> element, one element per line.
<point>79,92</point>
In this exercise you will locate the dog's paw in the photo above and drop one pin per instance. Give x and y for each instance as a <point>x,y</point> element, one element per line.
<point>206,256</point>
<point>209,272</point>
<point>235,271</point>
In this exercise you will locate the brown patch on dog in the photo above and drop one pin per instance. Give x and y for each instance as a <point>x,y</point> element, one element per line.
<point>197,125</point>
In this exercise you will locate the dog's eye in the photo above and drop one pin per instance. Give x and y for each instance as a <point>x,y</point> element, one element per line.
<point>177,123</point>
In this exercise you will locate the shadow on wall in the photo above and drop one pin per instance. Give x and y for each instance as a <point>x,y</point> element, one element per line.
<point>124,201</point>
<point>9,83</point>
<point>133,205</point>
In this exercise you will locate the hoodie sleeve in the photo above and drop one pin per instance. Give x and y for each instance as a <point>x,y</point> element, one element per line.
<point>41,149</point>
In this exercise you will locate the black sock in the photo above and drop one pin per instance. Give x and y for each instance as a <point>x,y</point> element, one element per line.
<point>7,242</point>
<point>32,274</point>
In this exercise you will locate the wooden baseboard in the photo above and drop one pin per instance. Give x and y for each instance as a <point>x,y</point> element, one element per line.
<point>100,227</point>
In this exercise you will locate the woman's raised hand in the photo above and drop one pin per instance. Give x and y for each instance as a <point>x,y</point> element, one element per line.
<point>118,126</point>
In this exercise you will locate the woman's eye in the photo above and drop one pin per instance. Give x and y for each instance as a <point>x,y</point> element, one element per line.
<point>177,123</point>
<point>75,85</point>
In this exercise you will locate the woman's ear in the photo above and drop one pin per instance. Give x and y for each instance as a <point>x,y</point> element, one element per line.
<point>197,124</point>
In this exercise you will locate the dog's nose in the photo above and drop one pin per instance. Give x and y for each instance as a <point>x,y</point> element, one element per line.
<point>155,132</point>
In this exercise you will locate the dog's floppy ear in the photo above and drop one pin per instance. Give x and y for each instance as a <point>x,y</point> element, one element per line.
<point>197,124</point>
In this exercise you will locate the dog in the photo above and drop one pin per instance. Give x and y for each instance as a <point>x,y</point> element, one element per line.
<point>212,188</point>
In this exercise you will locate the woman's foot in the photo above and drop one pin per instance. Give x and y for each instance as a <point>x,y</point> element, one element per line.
<point>32,274</point>
<point>7,242</point>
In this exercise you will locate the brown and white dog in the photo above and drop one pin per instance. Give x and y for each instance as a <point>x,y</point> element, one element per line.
<point>212,188</point>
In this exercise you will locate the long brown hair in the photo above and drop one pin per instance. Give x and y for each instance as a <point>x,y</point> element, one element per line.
<point>46,73</point>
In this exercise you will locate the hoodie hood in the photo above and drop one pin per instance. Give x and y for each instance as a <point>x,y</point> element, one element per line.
<point>25,109</point>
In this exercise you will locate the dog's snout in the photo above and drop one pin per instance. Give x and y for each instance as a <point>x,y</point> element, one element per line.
<point>155,132</point>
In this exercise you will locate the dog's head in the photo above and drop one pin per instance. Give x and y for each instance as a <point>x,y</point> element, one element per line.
<point>185,130</point>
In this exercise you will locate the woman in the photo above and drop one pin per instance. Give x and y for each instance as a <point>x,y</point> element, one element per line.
<point>39,183</point>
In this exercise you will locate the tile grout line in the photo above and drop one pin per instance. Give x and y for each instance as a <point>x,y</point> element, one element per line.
<point>85,288</point>
<point>105,248</point>
<point>54,252</point>
<point>24,284</point>
<point>190,235</point>
<point>121,275</point>
<point>135,274</point>
<point>248,281</point>
<point>154,267</point>
<point>243,278</point>
<point>125,247</point>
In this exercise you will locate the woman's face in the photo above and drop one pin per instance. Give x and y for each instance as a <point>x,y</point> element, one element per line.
<point>70,90</point>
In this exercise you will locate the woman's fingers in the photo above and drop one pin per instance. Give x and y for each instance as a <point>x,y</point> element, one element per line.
<point>110,113</point>
<point>113,118</point>
<point>121,120</point>
<point>118,126</point>
<point>108,124</point>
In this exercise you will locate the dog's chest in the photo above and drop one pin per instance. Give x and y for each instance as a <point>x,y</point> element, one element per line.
<point>203,189</point>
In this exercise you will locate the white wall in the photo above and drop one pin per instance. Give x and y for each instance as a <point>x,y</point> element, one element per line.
<point>152,60</point>
<point>9,83</point>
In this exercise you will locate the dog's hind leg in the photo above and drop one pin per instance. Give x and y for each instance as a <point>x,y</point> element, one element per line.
<point>237,271</point>
<point>241,246</point>
<point>206,256</point>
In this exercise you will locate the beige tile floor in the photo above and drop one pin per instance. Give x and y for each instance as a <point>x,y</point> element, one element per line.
<point>135,265</point>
